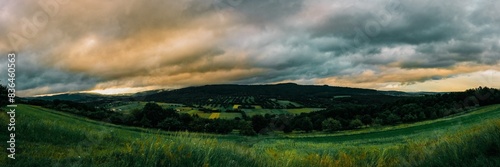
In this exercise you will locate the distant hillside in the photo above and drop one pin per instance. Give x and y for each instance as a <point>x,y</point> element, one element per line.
<point>92,97</point>
<point>311,95</point>
<point>72,97</point>
<point>288,91</point>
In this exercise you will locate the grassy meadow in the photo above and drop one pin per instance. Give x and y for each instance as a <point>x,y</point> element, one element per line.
<point>46,137</point>
<point>128,107</point>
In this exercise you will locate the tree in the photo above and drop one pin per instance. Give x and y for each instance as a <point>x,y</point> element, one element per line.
<point>287,128</point>
<point>170,124</point>
<point>392,119</point>
<point>421,116</point>
<point>355,123</point>
<point>331,124</point>
<point>222,126</point>
<point>433,115</point>
<point>136,114</point>
<point>145,122</point>
<point>409,118</point>
<point>377,121</point>
<point>198,124</point>
<point>185,119</point>
<point>305,124</point>
<point>367,119</point>
<point>259,123</point>
<point>155,113</point>
<point>246,129</point>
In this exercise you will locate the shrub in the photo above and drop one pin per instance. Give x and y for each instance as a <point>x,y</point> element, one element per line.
<point>355,123</point>
<point>331,124</point>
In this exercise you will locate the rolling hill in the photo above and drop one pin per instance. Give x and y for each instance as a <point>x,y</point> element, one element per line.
<point>308,95</point>
<point>305,95</point>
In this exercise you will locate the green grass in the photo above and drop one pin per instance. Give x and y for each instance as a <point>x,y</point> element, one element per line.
<point>285,103</point>
<point>426,128</point>
<point>129,106</point>
<point>50,138</point>
<point>225,115</point>
<point>252,112</point>
<point>303,110</point>
<point>260,111</point>
<point>338,97</point>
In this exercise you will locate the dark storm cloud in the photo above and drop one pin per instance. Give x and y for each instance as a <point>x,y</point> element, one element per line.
<point>260,12</point>
<point>445,25</point>
<point>37,79</point>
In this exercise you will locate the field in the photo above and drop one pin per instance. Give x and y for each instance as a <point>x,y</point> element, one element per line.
<point>127,107</point>
<point>214,116</point>
<point>302,110</point>
<point>50,138</point>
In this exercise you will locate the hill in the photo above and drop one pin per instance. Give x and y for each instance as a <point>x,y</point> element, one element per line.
<point>265,95</point>
<point>277,90</point>
<point>82,97</point>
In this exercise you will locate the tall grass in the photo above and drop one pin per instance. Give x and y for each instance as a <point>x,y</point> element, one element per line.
<point>56,141</point>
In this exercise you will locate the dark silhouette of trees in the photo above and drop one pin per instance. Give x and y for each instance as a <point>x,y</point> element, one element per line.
<point>355,123</point>
<point>155,113</point>
<point>170,124</point>
<point>259,122</point>
<point>304,124</point>
<point>331,125</point>
<point>247,129</point>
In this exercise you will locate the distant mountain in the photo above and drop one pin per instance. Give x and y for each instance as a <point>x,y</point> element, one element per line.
<point>199,94</point>
<point>92,97</point>
<point>281,91</point>
<point>400,93</point>
<point>82,97</point>
<point>285,89</point>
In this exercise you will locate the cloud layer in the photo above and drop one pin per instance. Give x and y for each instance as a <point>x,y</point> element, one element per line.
<point>384,44</point>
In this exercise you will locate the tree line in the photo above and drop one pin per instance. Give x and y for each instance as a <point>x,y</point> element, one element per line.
<point>335,117</point>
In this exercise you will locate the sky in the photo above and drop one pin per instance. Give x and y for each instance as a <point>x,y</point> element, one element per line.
<point>124,46</point>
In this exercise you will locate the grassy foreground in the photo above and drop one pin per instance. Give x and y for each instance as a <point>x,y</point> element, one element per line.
<point>49,138</point>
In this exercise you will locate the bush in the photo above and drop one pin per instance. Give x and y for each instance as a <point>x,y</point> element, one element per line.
<point>259,122</point>
<point>392,119</point>
<point>305,124</point>
<point>355,123</point>
<point>246,129</point>
<point>170,124</point>
<point>331,124</point>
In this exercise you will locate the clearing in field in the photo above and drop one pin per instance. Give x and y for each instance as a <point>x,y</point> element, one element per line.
<point>286,103</point>
<point>303,110</point>
<point>214,115</point>
<point>257,106</point>
<point>338,97</point>
<point>252,112</point>
<point>229,115</point>
<point>127,107</point>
